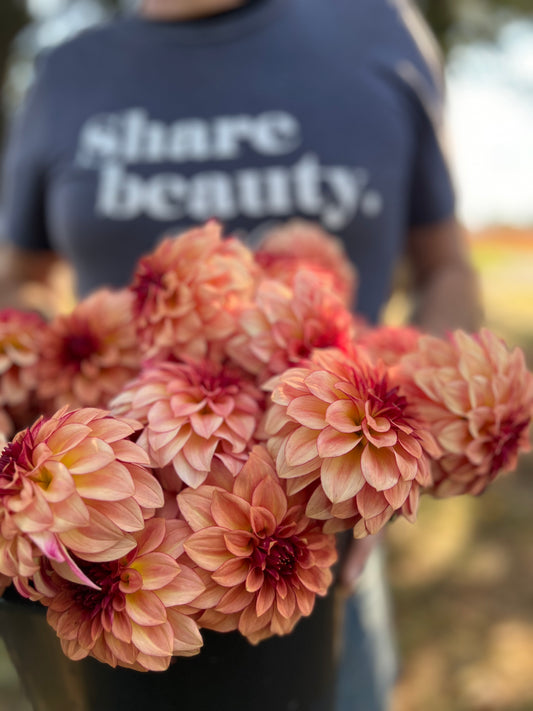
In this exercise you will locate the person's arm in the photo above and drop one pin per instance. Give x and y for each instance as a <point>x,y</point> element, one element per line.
<point>445,286</point>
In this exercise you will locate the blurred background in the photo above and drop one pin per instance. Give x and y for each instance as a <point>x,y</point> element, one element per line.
<point>462,578</point>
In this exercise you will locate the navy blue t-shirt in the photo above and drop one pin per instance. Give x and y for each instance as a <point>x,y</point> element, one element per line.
<point>327,110</point>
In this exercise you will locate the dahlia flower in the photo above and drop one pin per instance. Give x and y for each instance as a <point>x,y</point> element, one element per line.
<point>388,343</point>
<point>186,291</point>
<point>72,485</point>
<point>20,344</point>
<point>299,244</point>
<point>477,397</point>
<point>266,559</point>
<point>338,425</point>
<point>134,618</point>
<point>286,324</point>
<point>193,413</point>
<point>89,354</point>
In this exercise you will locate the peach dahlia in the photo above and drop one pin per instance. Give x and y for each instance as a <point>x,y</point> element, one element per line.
<point>337,424</point>
<point>266,559</point>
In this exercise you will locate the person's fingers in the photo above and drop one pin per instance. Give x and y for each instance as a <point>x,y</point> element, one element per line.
<point>355,560</point>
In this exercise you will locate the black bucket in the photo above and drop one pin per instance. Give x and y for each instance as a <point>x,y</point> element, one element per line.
<point>292,673</point>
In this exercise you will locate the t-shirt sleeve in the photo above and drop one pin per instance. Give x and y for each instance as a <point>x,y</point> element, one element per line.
<point>432,192</point>
<point>22,216</point>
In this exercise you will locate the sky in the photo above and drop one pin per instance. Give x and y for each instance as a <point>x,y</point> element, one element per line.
<point>490,119</point>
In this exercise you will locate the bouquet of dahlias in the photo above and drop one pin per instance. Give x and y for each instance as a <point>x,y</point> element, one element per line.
<point>205,433</point>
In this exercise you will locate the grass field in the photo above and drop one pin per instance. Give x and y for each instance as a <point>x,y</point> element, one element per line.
<point>462,577</point>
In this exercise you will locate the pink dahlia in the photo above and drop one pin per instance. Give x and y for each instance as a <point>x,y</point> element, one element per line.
<point>72,485</point>
<point>299,245</point>
<point>477,397</point>
<point>287,323</point>
<point>134,617</point>
<point>266,559</point>
<point>192,414</point>
<point>388,343</point>
<point>186,292</point>
<point>89,354</point>
<point>338,425</point>
<point>20,345</point>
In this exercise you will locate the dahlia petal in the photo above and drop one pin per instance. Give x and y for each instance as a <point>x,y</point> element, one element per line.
<point>148,491</point>
<point>322,385</point>
<point>230,511</point>
<point>331,443</point>
<point>370,502</point>
<point>205,425</point>
<point>145,608</point>
<point>264,600</point>
<point>254,580</point>
<point>240,543</point>
<point>121,627</point>
<point>315,579</point>
<point>286,605</point>
<point>232,572</point>
<point>379,467</point>
<point>250,622</point>
<point>318,506</point>
<point>305,600</point>
<point>195,506</point>
<point>156,569</point>
<point>398,493</point>
<point>187,638</point>
<point>92,454</point>
<point>155,640</point>
<point>129,452</point>
<point>112,483</point>
<point>185,588</point>
<point>187,473</point>
<point>263,521</point>
<point>301,446</point>
<point>342,477</point>
<point>68,437</point>
<point>270,496</point>
<point>308,411</point>
<point>234,600</point>
<point>407,465</point>
<point>207,548</point>
<point>343,416</point>
<point>199,452</point>
<point>125,514</point>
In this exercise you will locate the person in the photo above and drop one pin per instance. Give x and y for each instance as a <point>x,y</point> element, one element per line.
<point>253,112</point>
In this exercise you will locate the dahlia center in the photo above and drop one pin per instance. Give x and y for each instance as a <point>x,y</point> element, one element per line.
<point>506,443</point>
<point>8,461</point>
<point>79,347</point>
<point>277,557</point>
<point>145,285</point>
<point>108,577</point>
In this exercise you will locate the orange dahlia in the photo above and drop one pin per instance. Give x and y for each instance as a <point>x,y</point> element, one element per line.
<point>337,424</point>
<point>134,617</point>
<point>286,324</point>
<point>388,343</point>
<point>477,397</point>
<point>72,485</point>
<point>266,559</point>
<point>193,413</point>
<point>299,244</point>
<point>20,345</point>
<point>89,354</point>
<point>186,292</point>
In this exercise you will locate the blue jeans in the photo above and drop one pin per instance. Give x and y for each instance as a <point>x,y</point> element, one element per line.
<point>368,663</point>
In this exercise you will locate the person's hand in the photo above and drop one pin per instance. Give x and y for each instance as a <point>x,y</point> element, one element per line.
<point>355,560</point>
